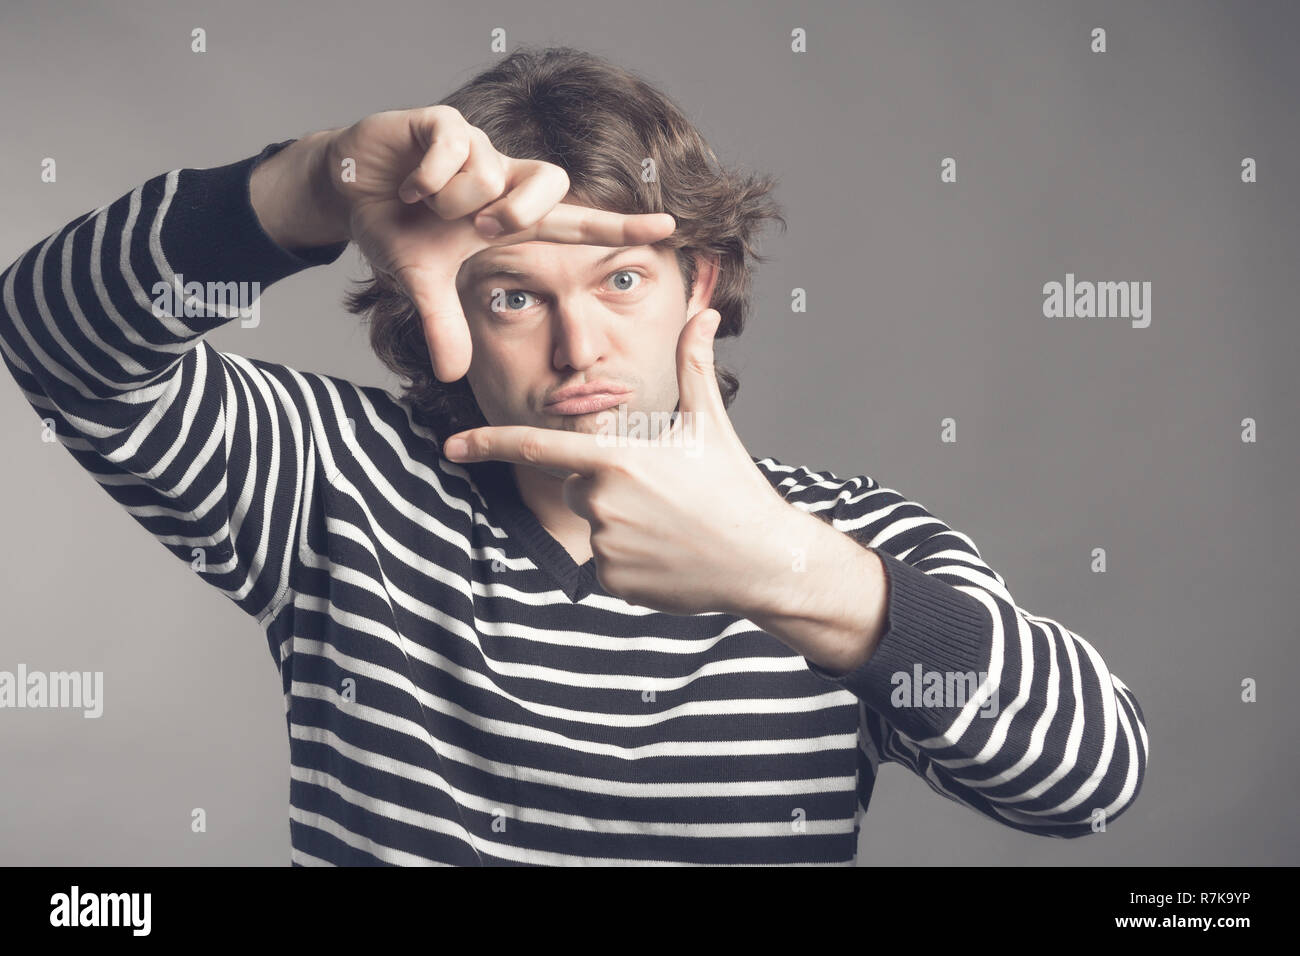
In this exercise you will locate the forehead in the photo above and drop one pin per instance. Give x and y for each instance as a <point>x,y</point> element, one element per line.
<point>538,259</point>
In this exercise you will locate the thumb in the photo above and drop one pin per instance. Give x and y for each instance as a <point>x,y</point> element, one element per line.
<point>445,330</point>
<point>697,380</point>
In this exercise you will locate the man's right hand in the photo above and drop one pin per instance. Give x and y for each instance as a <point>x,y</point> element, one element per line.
<point>425,182</point>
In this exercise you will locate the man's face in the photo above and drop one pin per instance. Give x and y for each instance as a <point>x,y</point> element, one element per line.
<point>570,315</point>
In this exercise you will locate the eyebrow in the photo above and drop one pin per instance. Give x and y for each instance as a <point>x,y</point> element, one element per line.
<point>481,273</point>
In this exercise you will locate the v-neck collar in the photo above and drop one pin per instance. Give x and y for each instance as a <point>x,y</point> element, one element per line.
<point>496,480</point>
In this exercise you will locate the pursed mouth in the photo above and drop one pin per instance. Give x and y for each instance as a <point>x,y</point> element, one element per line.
<point>586,404</point>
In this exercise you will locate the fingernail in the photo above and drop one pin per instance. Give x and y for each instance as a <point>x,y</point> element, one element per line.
<point>456,448</point>
<point>487,227</point>
<point>408,193</point>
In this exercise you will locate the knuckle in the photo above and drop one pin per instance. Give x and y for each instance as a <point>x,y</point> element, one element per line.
<point>509,216</point>
<point>491,177</point>
<point>530,449</point>
<point>444,112</point>
<point>455,143</point>
<point>553,171</point>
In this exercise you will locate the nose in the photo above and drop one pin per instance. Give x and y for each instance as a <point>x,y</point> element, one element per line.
<point>581,337</point>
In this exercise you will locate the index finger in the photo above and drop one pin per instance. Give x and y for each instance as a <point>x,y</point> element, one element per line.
<point>586,226</point>
<point>446,333</point>
<point>560,453</point>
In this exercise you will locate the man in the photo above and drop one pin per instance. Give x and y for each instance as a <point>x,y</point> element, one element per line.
<point>552,645</point>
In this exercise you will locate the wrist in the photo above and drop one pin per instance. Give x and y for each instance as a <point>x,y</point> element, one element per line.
<point>294,199</point>
<point>820,592</point>
<point>777,567</point>
<point>324,176</point>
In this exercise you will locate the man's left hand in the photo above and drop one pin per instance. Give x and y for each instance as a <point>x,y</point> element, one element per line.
<point>683,522</point>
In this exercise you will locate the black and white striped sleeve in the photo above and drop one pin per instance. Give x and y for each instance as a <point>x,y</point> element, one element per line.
<point>206,450</point>
<point>1007,712</point>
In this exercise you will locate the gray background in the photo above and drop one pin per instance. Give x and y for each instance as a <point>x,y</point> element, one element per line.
<point>925,302</point>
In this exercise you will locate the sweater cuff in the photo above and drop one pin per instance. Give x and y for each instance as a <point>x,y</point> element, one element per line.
<point>929,624</point>
<point>211,231</point>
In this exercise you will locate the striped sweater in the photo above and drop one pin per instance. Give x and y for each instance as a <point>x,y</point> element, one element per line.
<point>457,689</point>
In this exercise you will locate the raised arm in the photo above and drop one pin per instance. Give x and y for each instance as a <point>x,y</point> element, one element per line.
<point>101,324</point>
<point>202,448</point>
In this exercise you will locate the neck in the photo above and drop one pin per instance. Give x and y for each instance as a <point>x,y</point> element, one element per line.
<point>543,493</point>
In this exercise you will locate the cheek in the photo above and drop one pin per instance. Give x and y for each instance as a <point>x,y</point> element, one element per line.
<point>652,347</point>
<point>656,318</point>
<point>662,333</point>
<point>501,370</point>
<point>486,374</point>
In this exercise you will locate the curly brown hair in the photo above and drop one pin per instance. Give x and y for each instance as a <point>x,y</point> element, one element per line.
<point>599,123</point>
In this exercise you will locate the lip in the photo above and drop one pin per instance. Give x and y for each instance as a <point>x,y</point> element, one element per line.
<point>599,387</point>
<point>586,404</point>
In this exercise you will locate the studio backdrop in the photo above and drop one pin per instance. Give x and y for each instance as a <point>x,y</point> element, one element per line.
<point>954,176</point>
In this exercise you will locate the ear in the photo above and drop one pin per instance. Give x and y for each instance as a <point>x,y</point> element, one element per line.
<point>707,271</point>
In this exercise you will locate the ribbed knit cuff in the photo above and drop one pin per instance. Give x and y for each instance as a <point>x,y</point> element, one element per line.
<point>930,623</point>
<point>211,232</point>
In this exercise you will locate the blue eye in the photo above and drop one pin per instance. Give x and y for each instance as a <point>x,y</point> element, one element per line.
<point>513,300</point>
<point>630,275</point>
<point>517,300</point>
